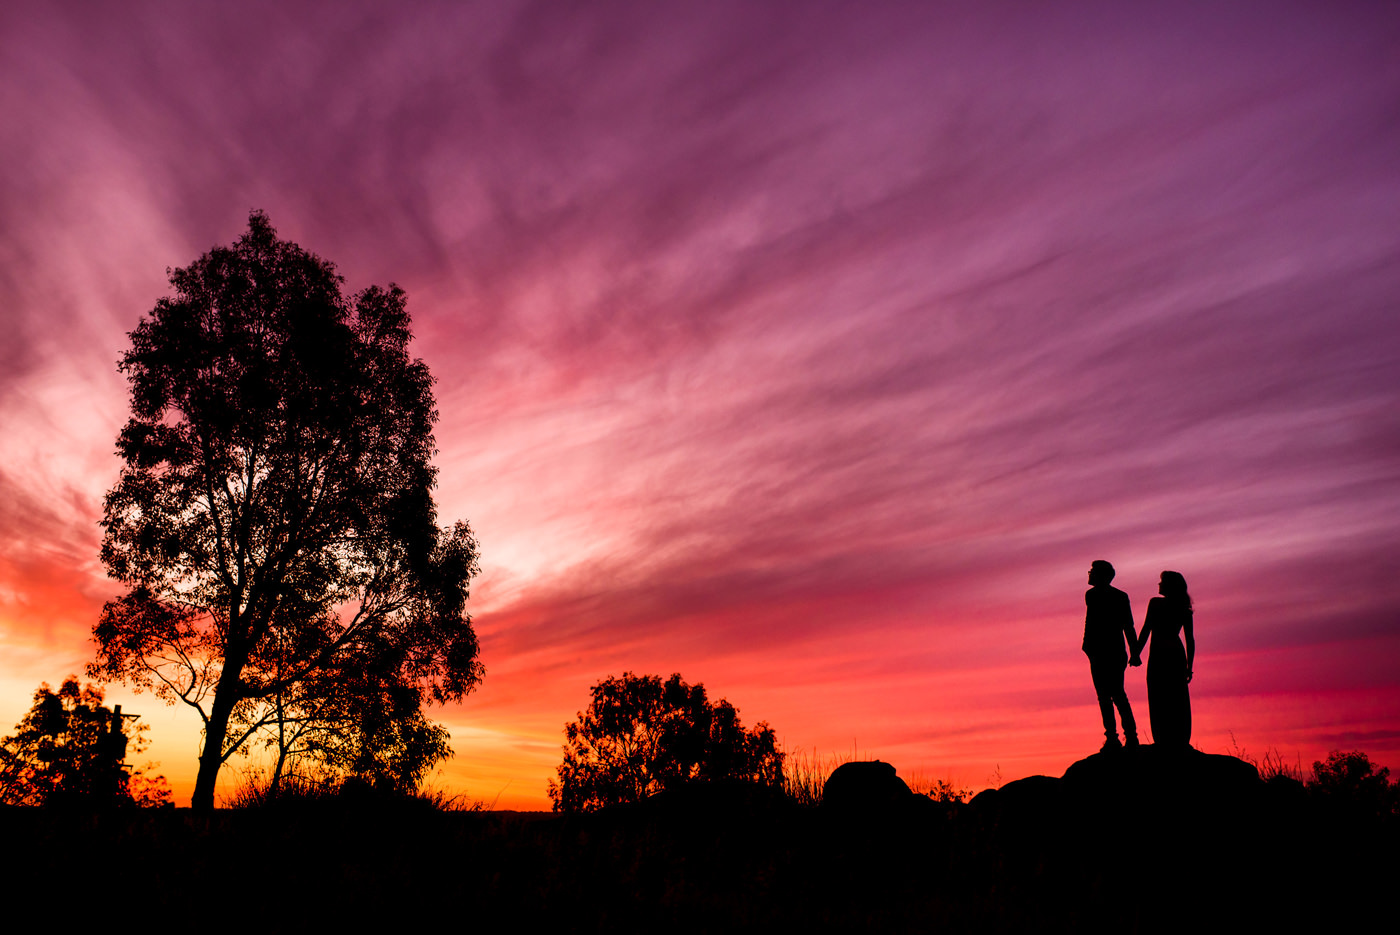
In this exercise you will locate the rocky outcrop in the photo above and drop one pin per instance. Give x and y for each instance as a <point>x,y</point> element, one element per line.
<point>1149,784</point>
<point>865,785</point>
<point>1162,775</point>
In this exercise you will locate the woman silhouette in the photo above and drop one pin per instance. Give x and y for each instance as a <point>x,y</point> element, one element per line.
<point>1168,667</point>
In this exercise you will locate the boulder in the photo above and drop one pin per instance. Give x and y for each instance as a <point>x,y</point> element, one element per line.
<point>864,785</point>
<point>1031,794</point>
<point>1162,794</point>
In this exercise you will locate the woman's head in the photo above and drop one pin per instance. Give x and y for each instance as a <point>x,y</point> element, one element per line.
<point>1174,586</point>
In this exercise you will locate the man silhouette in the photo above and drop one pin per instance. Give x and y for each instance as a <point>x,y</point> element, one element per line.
<point>1108,620</point>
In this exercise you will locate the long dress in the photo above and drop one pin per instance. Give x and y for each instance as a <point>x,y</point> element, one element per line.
<point>1168,695</point>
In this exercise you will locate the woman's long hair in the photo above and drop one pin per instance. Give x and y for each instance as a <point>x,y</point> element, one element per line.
<point>1174,588</point>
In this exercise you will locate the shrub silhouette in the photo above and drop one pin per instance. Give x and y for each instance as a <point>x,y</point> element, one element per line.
<point>640,736</point>
<point>1350,784</point>
<point>69,750</point>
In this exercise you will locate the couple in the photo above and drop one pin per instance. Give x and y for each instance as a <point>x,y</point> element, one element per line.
<point>1108,619</point>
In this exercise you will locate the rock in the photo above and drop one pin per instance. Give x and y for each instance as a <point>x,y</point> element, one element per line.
<point>1164,788</point>
<point>865,785</point>
<point>1147,769</point>
<point>1032,794</point>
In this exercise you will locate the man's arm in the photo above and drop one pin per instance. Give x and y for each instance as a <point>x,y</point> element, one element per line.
<point>1136,658</point>
<point>1088,611</point>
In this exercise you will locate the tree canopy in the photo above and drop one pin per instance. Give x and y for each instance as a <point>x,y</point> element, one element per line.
<point>364,724</point>
<point>70,749</point>
<point>274,519</point>
<point>640,736</point>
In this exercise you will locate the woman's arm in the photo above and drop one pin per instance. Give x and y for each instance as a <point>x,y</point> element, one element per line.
<point>1190,634</point>
<point>1152,607</point>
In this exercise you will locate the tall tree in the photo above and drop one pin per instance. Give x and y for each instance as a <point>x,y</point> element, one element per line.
<point>641,735</point>
<point>274,519</point>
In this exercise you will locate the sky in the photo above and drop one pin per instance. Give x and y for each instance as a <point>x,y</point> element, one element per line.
<point>810,350</point>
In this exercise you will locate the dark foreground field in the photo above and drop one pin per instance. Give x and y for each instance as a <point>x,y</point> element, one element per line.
<point>1109,849</point>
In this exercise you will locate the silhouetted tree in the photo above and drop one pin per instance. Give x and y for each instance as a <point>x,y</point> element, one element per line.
<point>274,519</point>
<point>70,749</point>
<point>360,723</point>
<point>640,736</point>
<point>1350,784</point>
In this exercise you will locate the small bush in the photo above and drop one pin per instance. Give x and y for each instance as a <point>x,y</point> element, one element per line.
<point>939,790</point>
<point>640,736</point>
<point>1349,784</point>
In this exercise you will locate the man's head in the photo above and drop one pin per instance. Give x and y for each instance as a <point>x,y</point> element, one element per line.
<point>1100,572</point>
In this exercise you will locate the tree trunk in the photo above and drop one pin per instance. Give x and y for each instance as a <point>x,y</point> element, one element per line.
<point>215,731</point>
<point>275,783</point>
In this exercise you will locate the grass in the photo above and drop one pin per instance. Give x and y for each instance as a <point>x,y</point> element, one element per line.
<point>254,791</point>
<point>295,790</point>
<point>441,801</point>
<point>1271,765</point>
<point>805,775</point>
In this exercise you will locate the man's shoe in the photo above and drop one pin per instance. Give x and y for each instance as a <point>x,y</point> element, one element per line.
<point>1132,743</point>
<point>1111,745</point>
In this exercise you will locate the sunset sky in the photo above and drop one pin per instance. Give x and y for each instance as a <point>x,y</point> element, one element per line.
<point>810,350</point>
